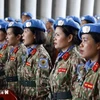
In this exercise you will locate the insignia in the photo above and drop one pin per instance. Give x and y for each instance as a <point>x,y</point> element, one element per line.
<point>43,63</point>
<point>82,18</point>
<point>25,13</point>
<point>6,18</point>
<point>62,70</point>
<point>33,51</point>
<point>28,64</point>
<point>11,23</point>
<point>66,56</point>
<point>60,22</point>
<point>12,58</point>
<point>86,29</point>
<point>15,50</point>
<point>88,85</point>
<point>5,46</point>
<point>1,55</point>
<point>95,67</point>
<point>28,24</point>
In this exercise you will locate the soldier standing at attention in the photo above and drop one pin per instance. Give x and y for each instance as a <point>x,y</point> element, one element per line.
<point>36,68</point>
<point>90,49</point>
<point>3,53</point>
<point>14,37</point>
<point>49,39</point>
<point>26,16</point>
<point>63,74</point>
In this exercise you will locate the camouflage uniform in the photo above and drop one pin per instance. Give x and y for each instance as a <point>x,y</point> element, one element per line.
<point>34,74</point>
<point>3,58</point>
<point>63,75</point>
<point>89,87</point>
<point>14,61</point>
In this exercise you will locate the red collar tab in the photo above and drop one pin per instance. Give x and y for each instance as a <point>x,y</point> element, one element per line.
<point>28,64</point>
<point>66,56</point>
<point>95,67</point>
<point>15,50</point>
<point>33,51</point>
<point>88,85</point>
<point>5,46</point>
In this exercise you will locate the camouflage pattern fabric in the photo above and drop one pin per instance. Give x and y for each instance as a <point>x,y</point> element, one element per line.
<point>64,73</point>
<point>14,61</point>
<point>3,58</point>
<point>90,87</point>
<point>34,75</point>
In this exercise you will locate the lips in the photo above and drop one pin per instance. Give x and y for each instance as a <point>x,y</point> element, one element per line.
<point>81,51</point>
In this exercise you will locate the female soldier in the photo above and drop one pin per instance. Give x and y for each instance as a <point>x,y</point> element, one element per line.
<point>35,71</point>
<point>3,53</point>
<point>63,76</point>
<point>90,49</point>
<point>14,32</point>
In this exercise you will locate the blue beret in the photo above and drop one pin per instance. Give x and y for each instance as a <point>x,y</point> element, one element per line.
<point>14,24</point>
<point>35,23</point>
<point>89,18</point>
<point>9,19</point>
<point>76,19</point>
<point>51,20</point>
<point>88,28</point>
<point>66,22</point>
<point>27,14</point>
<point>3,25</point>
<point>1,20</point>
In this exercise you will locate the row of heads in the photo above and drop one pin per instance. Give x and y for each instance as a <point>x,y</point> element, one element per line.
<point>59,22</point>
<point>88,18</point>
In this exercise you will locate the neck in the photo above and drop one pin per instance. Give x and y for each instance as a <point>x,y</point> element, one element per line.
<point>95,58</point>
<point>16,44</point>
<point>64,49</point>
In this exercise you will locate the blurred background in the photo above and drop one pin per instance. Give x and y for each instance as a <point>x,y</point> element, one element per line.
<point>49,8</point>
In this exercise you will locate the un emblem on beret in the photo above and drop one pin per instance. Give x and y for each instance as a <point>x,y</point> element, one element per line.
<point>60,22</point>
<point>28,24</point>
<point>86,29</point>
<point>11,23</point>
<point>25,13</point>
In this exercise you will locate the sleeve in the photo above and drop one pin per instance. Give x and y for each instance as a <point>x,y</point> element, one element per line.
<point>43,77</point>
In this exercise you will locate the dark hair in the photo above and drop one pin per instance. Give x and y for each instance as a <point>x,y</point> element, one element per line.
<point>88,21</point>
<point>71,30</point>
<point>40,36</point>
<point>17,30</point>
<point>3,30</point>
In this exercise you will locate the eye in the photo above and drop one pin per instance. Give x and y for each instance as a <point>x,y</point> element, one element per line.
<point>84,40</point>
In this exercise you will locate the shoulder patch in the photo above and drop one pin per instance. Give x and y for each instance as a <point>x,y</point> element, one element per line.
<point>43,63</point>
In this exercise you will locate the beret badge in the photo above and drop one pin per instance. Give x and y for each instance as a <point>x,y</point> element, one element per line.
<point>86,29</point>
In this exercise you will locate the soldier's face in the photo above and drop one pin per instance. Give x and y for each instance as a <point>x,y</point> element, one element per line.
<point>88,47</point>
<point>28,37</point>
<point>25,18</point>
<point>60,40</point>
<point>2,36</point>
<point>11,38</point>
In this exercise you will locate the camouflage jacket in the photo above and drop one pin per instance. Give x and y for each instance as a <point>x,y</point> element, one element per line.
<point>64,74</point>
<point>90,87</point>
<point>3,58</point>
<point>14,61</point>
<point>34,73</point>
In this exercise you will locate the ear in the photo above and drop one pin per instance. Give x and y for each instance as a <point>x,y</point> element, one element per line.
<point>98,46</point>
<point>70,37</point>
<point>19,36</point>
